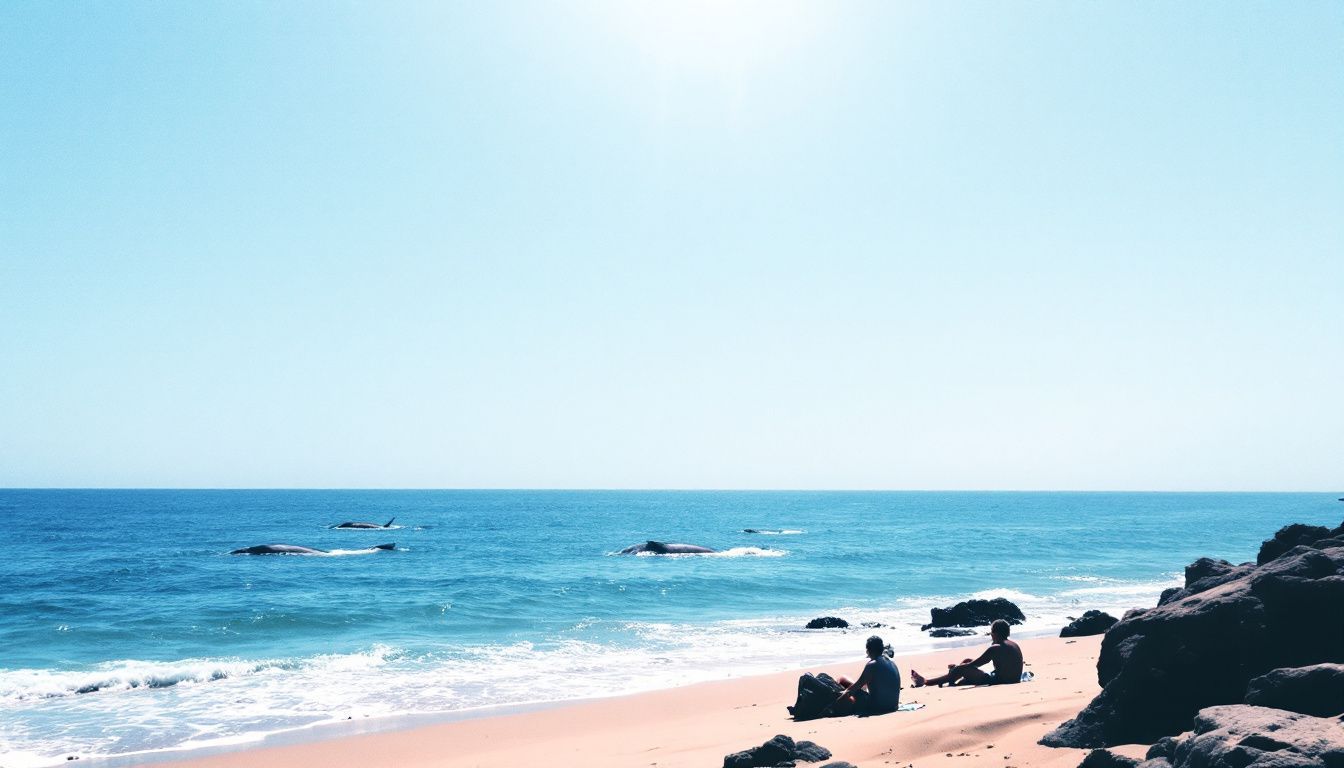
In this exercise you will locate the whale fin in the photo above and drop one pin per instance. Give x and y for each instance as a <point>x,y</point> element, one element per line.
<point>388,524</point>
<point>386,546</point>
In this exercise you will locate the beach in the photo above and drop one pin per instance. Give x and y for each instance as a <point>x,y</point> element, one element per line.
<point>168,647</point>
<point>698,725</point>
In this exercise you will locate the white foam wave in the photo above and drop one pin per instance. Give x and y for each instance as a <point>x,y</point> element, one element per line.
<point>128,674</point>
<point>750,552</point>
<point>771,532</point>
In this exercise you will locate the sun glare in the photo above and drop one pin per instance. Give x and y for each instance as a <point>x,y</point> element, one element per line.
<point>725,36</point>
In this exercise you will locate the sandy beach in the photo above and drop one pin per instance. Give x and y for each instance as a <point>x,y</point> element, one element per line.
<point>697,725</point>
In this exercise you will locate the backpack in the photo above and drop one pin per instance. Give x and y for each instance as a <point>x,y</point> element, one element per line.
<point>816,694</point>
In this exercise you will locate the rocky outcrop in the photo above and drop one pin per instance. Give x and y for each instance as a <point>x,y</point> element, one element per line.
<point>1290,536</point>
<point>827,622</point>
<point>1101,758</point>
<point>1159,667</point>
<point>952,632</point>
<point>1090,623</point>
<point>1316,690</point>
<point>779,751</point>
<point>975,613</point>
<point>1240,736</point>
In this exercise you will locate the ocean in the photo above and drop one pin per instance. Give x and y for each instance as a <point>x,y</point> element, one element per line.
<point>129,630</point>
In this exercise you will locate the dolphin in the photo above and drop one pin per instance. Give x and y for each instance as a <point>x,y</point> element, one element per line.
<point>661,548</point>
<point>294,549</point>
<point>356,524</point>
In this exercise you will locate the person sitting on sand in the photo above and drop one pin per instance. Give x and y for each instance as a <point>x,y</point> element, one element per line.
<point>880,679</point>
<point>1006,655</point>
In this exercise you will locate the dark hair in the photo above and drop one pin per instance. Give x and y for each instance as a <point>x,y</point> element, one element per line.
<point>999,627</point>
<point>875,646</point>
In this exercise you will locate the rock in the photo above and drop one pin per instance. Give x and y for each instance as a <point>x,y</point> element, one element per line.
<point>1101,758</point>
<point>1090,623</point>
<point>777,752</point>
<point>1316,690</point>
<point>811,752</point>
<point>872,625</point>
<point>827,622</point>
<point>1171,595</point>
<point>839,764</point>
<point>1206,573</point>
<point>1159,667</point>
<point>1288,537</point>
<point>1240,736</point>
<point>952,632</point>
<point>975,613</point>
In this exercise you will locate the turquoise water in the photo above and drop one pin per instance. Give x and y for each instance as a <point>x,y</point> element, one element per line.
<point>129,628</point>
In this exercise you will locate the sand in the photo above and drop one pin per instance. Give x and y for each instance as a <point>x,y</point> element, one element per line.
<point>697,725</point>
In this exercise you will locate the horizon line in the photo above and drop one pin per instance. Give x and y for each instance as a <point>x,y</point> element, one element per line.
<point>644,490</point>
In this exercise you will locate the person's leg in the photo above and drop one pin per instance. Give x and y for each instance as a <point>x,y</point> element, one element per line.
<point>969,674</point>
<point>955,673</point>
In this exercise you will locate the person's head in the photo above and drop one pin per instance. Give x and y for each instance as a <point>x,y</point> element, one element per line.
<point>875,647</point>
<point>999,630</point>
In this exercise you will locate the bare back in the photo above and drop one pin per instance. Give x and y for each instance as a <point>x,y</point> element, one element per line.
<point>1007,658</point>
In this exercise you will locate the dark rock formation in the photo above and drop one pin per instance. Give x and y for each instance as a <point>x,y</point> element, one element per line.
<point>872,625</point>
<point>1090,623</point>
<point>839,764</point>
<point>1239,736</point>
<point>952,632</point>
<point>1160,666</point>
<point>1101,758</point>
<point>976,613</point>
<point>827,622</point>
<point>779,751</point>
<point>1288,537</point>
<point>1202,575</point>
<point>1316,690</point>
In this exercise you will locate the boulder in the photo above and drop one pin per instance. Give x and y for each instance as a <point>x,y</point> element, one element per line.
<point>1288,537</point>
<point>1316,690</point>
<point>1101,758</point>
<point>1241,736</point>
<point>778,751</point>
<point>952,632</point>
<point>975,613</point>
<point>827,622</point>
<point>839,764</point>
<point>1159,667</point>
<point>1090,623</point>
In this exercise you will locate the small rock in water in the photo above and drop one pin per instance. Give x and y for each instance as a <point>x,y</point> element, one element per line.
<point>1090,623</point>
<point>827,622</point>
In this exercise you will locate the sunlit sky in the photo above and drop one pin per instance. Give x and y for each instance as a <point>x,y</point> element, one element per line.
<point>942,245</point>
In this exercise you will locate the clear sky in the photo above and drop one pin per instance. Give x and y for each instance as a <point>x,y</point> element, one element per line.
<point>942,245</point>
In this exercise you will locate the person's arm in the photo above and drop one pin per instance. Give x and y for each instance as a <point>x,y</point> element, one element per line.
<point>858,684</point>
<point>987,656</point>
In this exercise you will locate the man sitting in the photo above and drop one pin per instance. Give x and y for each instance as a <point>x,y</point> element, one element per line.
<point>1006,655</point>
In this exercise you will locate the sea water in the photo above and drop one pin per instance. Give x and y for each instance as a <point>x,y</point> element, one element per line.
<point>127,628</point>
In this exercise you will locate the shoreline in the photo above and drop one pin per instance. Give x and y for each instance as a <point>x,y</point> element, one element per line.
<point>697,724</point>
<point>326,730</point>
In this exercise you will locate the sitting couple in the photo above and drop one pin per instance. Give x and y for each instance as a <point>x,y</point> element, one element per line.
<point>878,689</point>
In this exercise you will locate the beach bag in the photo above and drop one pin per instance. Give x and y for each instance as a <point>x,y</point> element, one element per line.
<point>816,694</point>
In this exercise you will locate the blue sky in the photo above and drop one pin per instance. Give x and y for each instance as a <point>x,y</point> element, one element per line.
<point>672,245</point>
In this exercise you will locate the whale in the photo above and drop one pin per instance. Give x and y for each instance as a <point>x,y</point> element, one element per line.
<point>295,549</point>
<point>357,524</point>
<point>663,548</point>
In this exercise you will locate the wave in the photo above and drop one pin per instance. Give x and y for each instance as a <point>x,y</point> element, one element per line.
<point>130,674</point>
<point>773,532</point>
